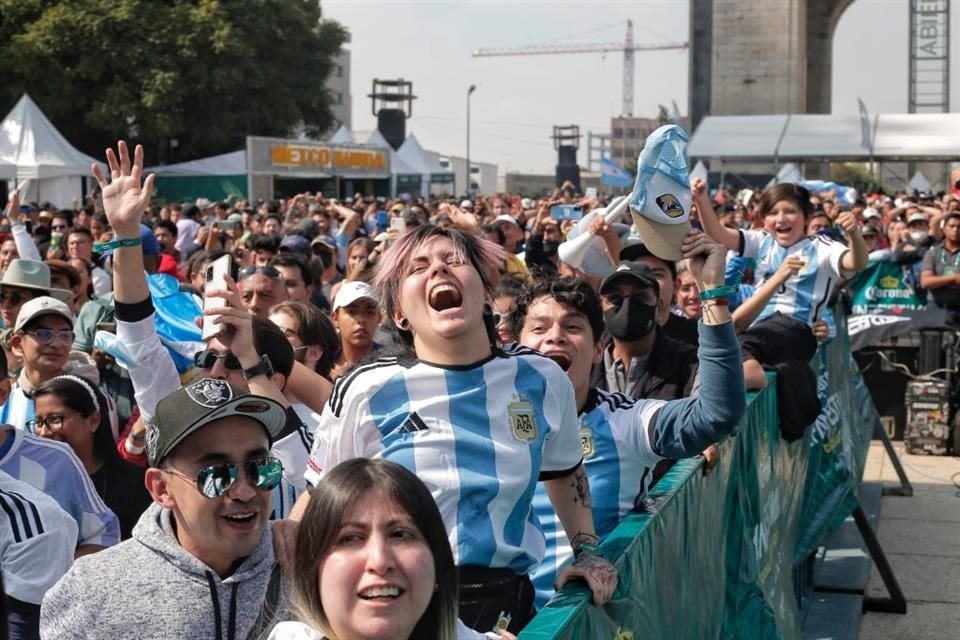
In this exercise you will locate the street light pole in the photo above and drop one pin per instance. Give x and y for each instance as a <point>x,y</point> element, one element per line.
<point>470,91</point>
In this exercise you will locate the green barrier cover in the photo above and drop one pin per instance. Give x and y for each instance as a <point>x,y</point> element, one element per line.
<point>882,286</point>
<point>713,557</point>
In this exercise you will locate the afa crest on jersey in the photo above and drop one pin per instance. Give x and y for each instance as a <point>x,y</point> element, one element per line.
<point>523,420</point>
<point>586,442</point>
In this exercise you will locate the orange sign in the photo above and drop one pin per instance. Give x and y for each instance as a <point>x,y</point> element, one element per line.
<point>291,155</point>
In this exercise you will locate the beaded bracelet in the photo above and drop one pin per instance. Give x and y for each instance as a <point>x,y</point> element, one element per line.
<point>116,243</point>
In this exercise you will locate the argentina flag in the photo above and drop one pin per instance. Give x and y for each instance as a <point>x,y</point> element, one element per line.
<point>613,174</point>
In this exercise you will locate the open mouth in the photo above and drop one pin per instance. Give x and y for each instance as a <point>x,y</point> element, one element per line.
<point>561,359</point>
<point>381,594</point>
<point>444,297</point>
<point>241,518</point>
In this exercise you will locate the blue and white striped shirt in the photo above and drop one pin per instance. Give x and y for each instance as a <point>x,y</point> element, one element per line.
<point>804,296</point>
<point>53,468</point>
<point>479,437</point>
<point>615,439</point>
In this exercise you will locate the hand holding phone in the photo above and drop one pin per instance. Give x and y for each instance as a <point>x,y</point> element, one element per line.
<point>214,278</point>
<point>566,212</point>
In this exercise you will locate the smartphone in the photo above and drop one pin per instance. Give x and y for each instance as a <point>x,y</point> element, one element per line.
<point>399,224</point>
<point>383,221</point>
<point>566,212</point>
<point>214,277</point>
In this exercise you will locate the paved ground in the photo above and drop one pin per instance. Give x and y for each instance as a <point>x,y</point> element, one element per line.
<point>921,537</point>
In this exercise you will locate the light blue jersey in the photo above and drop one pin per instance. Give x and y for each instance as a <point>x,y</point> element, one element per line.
<point>52,468</point>
<point>615,439</point>
<point>804,296</point>
<point>18,409</point>
<point>478,436</point>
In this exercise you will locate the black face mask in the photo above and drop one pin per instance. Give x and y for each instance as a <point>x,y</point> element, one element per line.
<point>550,247</point>
<point>327,260</point>
<point>632,319</point>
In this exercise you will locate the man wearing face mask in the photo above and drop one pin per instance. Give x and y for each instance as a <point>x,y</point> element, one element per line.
<point>910,252</point>
<point>641,361</point>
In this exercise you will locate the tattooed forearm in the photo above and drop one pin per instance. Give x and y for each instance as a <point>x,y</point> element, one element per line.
<point>581,539</point>
<point>581,486</point>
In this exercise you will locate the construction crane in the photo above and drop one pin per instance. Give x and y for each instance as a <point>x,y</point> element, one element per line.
<point>627,46</point>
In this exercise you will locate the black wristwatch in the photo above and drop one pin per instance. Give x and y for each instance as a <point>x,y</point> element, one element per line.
<point>264,367</point>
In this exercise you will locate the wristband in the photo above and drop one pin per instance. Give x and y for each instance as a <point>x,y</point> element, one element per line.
<point>587,548</point>
<point>716,302</point>
<point>116,243</point>
<point>719,292</point>
<point>133,449</point>
<point>264,367</point>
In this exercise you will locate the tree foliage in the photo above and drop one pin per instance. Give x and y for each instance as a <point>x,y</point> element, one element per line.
<point>205,73</point>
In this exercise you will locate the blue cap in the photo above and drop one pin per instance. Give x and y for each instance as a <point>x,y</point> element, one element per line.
<point>295,244</point>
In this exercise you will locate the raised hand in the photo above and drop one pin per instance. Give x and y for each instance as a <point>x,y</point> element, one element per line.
<point>848,222</point>
<point>124,198</point>
<point>13,208</point>
<point>706,259</point>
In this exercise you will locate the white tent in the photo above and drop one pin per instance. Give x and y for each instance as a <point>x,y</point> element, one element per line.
<point>47,167</point>
<point>837,138</point>
<point>398,167</point>
<point>342,136</point>
<point>414,155</point>
<point>225,164</point>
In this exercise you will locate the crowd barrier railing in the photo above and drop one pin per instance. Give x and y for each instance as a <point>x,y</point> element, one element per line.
<point>714,556</point>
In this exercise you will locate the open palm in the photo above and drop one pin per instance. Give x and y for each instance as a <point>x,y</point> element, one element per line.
<point>124,198</point>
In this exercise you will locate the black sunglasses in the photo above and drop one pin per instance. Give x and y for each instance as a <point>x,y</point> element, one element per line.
<point>251,270</point>
<point>207,358</point>
<point>216,479</point>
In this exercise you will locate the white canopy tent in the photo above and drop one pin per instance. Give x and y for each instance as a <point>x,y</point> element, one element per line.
<point>342,136</point>
<point>47,168</point>
<point>837,138</point>
<point>225,164</point>
<point>414,155</point>
<point>398,167</point>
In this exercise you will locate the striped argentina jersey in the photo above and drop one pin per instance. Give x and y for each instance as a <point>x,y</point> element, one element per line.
<point>804,296</point>
<point>37,540</point>
<point>18,409</point>
<point>479,437</point>
<point>293,450</point>
<point>52,468</point>
<point>615,438</point>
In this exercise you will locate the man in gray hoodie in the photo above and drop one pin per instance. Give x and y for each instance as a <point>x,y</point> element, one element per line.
<point>201,561</point>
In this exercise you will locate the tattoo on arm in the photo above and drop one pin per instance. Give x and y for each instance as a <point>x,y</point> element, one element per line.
<point>582,487</point>
<point>583,538</point>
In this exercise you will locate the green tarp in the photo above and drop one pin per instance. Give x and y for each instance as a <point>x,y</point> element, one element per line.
<point>714,557</point>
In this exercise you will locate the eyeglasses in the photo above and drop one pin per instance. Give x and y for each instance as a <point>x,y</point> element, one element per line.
<point>251,270</point>
<point>207,358</point>
<point>46,336</point>
<point>53,422</point>
<point>14,298</point>
<point>58,227</point>
<point>215,480</point>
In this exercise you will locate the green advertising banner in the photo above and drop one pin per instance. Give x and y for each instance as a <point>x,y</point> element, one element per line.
<point>713,557</point>
<point>882,285</point>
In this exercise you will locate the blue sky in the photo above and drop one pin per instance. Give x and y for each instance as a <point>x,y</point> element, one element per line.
<point>519,99</point>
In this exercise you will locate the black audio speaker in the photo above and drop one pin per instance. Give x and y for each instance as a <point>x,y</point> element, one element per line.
<point>392,123</point>
<point>569,172</point>
<point>567,155</point>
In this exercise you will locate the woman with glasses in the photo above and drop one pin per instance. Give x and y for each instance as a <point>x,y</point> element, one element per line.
<point>480,426</point>
<point>71,409</point>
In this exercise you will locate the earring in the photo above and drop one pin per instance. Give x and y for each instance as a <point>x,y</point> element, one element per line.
<point>403,325</point>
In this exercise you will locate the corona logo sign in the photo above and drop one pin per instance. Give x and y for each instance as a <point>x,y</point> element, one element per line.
<point>290,155</point>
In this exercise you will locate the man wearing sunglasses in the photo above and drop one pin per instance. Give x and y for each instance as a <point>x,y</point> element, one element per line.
<point>42,338</point>
<point>261,288</point>
<point>203,550</point>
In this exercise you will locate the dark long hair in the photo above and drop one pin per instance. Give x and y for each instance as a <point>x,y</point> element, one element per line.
<point>330,503</point>
<point>76,397</point>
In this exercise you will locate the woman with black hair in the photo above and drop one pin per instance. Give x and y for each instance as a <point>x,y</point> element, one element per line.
<point>72,410</point>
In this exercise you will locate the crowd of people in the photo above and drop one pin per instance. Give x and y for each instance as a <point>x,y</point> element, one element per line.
<point>414,418</point>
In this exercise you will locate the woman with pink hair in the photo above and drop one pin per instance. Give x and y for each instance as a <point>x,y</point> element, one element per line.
<point>478,424</point>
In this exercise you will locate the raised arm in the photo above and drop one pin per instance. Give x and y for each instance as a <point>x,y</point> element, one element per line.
<point>729,238</point>
<point>684,428</point>
<point>751,307</point>
<point>856,258</point>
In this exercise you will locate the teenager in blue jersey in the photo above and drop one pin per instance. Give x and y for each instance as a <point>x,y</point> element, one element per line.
<point>784,328</point>
<point>623,439</point>
<point>480,426</point>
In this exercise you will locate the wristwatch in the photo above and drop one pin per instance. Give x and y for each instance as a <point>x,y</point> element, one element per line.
<point>264,367</point>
